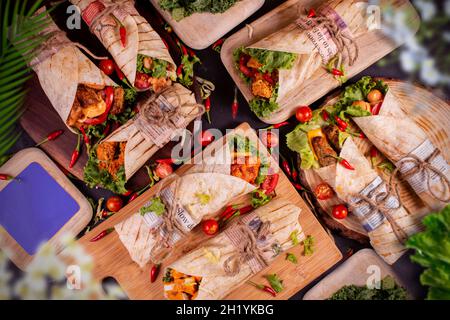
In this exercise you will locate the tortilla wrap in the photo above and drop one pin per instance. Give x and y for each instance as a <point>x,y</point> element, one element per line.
<point>140,147</point>
<point>294,39</point>
<point>397,137</point>
<point>138,236</point>
<point>61,68</point>
<point>140,36</point>
<point>208,260</point>
<point>348,183</point>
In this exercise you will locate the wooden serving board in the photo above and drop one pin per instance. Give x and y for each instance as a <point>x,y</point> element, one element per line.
<point>372,47</point>
<point>71,211</point>
<point>201,30</point>
<point>430,112</point>
<point>357,270</point>
<point>112,259</point>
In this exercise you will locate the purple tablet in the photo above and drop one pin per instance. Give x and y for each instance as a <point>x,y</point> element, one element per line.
<point>35,208</point>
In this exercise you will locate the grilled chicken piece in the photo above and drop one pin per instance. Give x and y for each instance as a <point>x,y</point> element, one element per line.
<point>262,88</point>
<point>246,168</point>
<point>111,156</point>
<point>332,133</point>
<point>91,101</point>
<point>76,113</point>
<point>253,63</point>
<point>159,84</point>
<point>119,101</point>
<point>325,154</point>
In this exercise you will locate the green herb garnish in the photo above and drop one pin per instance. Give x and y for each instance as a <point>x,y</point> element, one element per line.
<point>291,257</point>
<point>180,9</point>
<point>156,206</point>
<point>275,282</point>
<point>203,198</point>
<point>308,244</point>
<point>294,237</point>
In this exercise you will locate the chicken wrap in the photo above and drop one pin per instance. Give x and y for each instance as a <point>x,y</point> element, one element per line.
<point>225,262</point>
<point>276,66</point>
<point>417,160</point>
<point>174,211</point>
<point>76,88</point>
<point>319,141</point>
<point>115,159</point>
<point>137,49</point>
<point>374,202</point>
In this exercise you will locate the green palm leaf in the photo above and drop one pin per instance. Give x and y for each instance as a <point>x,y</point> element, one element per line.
<point>20,36</point>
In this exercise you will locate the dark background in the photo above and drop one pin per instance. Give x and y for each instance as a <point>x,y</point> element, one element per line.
<point>213,70</point>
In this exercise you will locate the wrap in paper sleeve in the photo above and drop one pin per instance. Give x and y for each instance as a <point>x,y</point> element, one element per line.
<point>387,230</point>
<point>61,67</point>
<point>404,143</point>
<point>217,267</point>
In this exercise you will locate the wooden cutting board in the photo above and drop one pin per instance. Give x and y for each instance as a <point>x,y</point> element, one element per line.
<point>359,269</point>
<point>112,259</point>
<point>372,47</point>
<point>201,30</point>
<point>430,112</point>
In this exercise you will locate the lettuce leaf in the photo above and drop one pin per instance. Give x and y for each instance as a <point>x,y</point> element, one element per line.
<point>158,70</point>
<point>263,107</point>
<point>433,252</point>
<point>156,206</point>
<point>270,60</point>
<point>180,9</point>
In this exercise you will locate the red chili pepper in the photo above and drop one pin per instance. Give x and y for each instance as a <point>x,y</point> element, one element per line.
<point>166,161</point>
<point>75,154</point>
<point>109,92</point>
<point>85,137</point>
<point>325,115</point>
<point>192,53</point>
<point>278,125</point>
<point>298,187</point>
<point>311,13</point>
<point>217,46</point>
<point>208,108</point>
<point>126,194</point>
<point>51,136</point>
<point>373,152</point>
<point>235,105</point>
<point>123,35</point>
<point>345,164</point>
<point>102,234</point>
<point>133,196</point>
<point>337,72</point>
<point>342,125</point>
<point>286,167</point>
<point>154,271</point>
<point>106,130</point>
<point>165,43</point>
<point>180,71</point>
<point>6,177</point>
<point>183,48</point>
<point>362,135</point>
<point>245,209</point>
<point>106,214</point>
<point>294,174</point>
<point>263,288</point>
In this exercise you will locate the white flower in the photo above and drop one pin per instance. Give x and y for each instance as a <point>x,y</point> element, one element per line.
<point>447,7</point>
<point>428,72</point>
<point>427,9</point>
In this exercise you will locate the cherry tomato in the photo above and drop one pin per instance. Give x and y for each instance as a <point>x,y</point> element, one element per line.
<point>374,96</point>
<point>270,139</point>
<point>142,81</point>
<point>163,170</point>
<point>205,138</point>
<point>270,183</point>
<point>114,204</point>
<point>323,191</point>
<point>303,114</point>
<point>340,211</point>
<point>107,66</point>
<point>210,227</point>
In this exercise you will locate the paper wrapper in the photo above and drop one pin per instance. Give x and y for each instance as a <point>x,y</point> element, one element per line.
<point>362,180</point>
<point>136,231</point>
<point>294,39</point>
<point>397,137</point>
<point>61,67</point>
<point>207,261</point>
<point>141,145</point>
<point>141,38</point>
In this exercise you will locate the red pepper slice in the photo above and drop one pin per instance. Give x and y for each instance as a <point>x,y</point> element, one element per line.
<point>123,35</point>
<point>109,93</point>
<point>342,125</point>
<point>375,110</point>
<point>270,183</point>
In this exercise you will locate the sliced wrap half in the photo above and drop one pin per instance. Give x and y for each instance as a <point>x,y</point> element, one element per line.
<point>197,195</point>
<point>202,275</point>
<point>407,145</point>
<point>140,53</point>
<point>276,66</point>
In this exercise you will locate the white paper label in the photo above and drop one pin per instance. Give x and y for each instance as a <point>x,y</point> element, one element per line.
<point>370,219</point>
<point>418,181</point>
